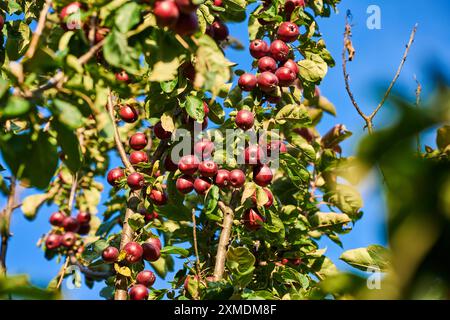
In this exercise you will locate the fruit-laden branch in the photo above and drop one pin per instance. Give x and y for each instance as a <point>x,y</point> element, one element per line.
<point>348,53</point>
<point>228,216</point>
<point>40,27</point>
<point>127,232</point>
<point>5,222</point>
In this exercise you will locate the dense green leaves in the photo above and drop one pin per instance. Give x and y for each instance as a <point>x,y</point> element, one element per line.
<point>373,256</point>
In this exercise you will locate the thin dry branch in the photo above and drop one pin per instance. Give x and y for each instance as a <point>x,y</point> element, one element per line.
<point>194,233</point>
<point>38,32</point>
<point>5,219</point>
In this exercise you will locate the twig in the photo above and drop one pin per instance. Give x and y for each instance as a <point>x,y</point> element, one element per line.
<point>119,146</point>
<point>399,70</point>
<point>73,191</point>
<point>347,55</point>
<point>5,220</point>
<point>228,215</point>
<point>40,27</point>
<point>418,93</point>
<point>63,272</point>
<point>194,232</point>
<point>127,233</point>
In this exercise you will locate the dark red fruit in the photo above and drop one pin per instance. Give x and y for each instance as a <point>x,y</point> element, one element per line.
<point>205,108</point>
<point>267,81</point>
<point>187,24</point>
<point>262,175</point>
<point>2,22</point>
<point>138,141</point>
<point>123,76</point>
<point>269,202</point>
<point>149,216</point>
<point>186,6</point>
<point>83,217</point>
<point>138,292</point>
<point>222,179</point>
<point>135,181</point>
<point>114,175</point>
<point>155,242</point>
<point>218,3</point>
<point>160,133</point>
<point>71,224</point>
<point>128,113</point>
<point>285,76</point>
<point>84,229</point>
<point>247,82</point>
<point>288,31</point>
<point>276,145</point>
<point>158,198</point>
<point>279,50</point>
<point>237,178</point>
<point>306,133</point>
<point>203,148</point>
<point>151,251</point>
<point>267,64</point>
<point>252,219</point>
<point>259,48</point>
<point>68,239</point>
<point>166,13</point>
<point>220,30</point>
<point>273,99</point>
<point>245,119</point>
<point>134,252</point>
<point>253,155</point>
<point>185,184</point>
<point>291,64</point>
<point>57,219</point>
<point>202,185</point>
<point>188,164</point>
<point>146,278</point>
<point>110,254</point>
<point>290,5</point>
<point>169,165</point>
<point>53,241</point>
<point>138,157</point>
<point>208,168</point>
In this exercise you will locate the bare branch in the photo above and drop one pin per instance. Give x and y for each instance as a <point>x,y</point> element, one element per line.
<point>228,216</point>
<point>399,70</point>
<point>73,191</point>
<point>62,272</point>
<point>40,27</point>
<point>194,232</point>
<point>5,222</point>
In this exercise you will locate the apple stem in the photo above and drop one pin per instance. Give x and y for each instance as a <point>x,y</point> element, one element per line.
<point>228,215</point>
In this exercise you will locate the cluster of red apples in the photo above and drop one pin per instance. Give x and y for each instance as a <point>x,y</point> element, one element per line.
<point>67,231</point>
<point>276,67</point>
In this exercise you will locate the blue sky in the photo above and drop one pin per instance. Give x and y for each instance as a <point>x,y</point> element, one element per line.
<point>378,55</point>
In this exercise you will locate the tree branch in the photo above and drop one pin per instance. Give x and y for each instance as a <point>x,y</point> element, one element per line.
<point>194,232</point>
<point>73,191</point>
<point>40,27</point>
<point>127,233</point>
<point>399,70</point>
<point>5,223</point>
<point>228,215</point>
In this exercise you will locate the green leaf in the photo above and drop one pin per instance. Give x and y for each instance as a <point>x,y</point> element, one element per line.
<point>31,204</point>
<point>313,68</point>
<point>68,114</point>
<point>127,16</point>
<point>123,270</point>
<point>374,256</point>
<point>297,114</point>
<point>347,199</point>
<point>118,54</point>
<point>443,137</point>
<point>20,286</point>
<point>322,220</point>
<point>70,146</point>
<point>15,107</point>
<point>295,170</point>
<point>136,221</point>
<point>194,107</point>
<point>94,250</point>
<point>175,250</point>
<point>211,201</point>
<point>240,261</point>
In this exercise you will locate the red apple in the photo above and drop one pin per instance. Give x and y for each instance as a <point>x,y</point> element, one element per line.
<point>262,175</point>
<point>53,241</point>
<point>166,13</point>
<point>159,131</point>
<point>110,254</point>
<point>285,76</point>
<point>291,64</point>
<point>245,119</point>
<point>203,148</point>
<point>137,157</point>
<point>247,82</point>
<point>267,81</point>
<point>254,155</point>
<point>151,251</point>
<point>57,219</point>
<point>259,48</point>
<point>71,224</point>
<point>128,113</point>
<point>187,24</point>
<point>123,76</point>
<point>208,168</point>
<point>68,239</point>
<point>222,179</point>
<point>237,178</point>
<point>288,31</point>
<point>134,252</point>
<point>138,141</point>
<point>279,50</point>
<point>138,292</point>
<point>202,185</point>
<point>157,197</point>
<point>252,219</point>
<point>220,30</point>
<point>267,64</point>
<point>188,164</point>
<point>146,278</point>
<point>185,184</point>
<point>135,181</point>
<point>269,202</point>
<point>114,176</point>
<point>83,217</point>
